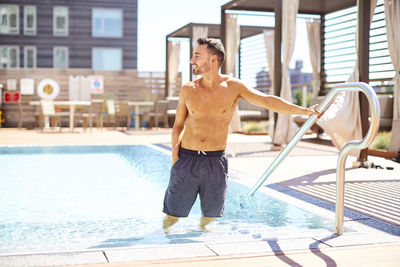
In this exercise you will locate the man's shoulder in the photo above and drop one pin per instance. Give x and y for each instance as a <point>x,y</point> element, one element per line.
<point>226,77</point>
<point>232,81</point>
<point>187,88</point>
<point>189,85</point>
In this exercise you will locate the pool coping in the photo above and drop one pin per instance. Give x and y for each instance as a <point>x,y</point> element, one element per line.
<point>365,231</point>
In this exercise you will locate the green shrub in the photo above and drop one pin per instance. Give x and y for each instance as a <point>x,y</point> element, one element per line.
<point>382,141</point>
<point>255,126</point>
<point>298,97</point>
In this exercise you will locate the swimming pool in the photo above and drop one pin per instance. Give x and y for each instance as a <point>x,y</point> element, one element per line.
<point>59,198</point>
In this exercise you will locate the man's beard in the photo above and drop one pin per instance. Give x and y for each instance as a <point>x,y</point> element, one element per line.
<point>197,71</point>
<point>200,70</point>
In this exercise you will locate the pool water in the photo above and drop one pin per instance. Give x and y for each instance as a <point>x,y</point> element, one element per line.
<point>86,197</point>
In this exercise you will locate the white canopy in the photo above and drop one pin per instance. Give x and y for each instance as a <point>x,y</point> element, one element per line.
<point>392,16</point>
<point>174,51</point>
<point>231,50</point>
<point>285,127</point>
<point>342,121</point>
<point>269,38</point>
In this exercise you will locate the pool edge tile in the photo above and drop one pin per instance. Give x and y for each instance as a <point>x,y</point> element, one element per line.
<point>158,252</point>
<point>53,259</point>
<point>268,245</point>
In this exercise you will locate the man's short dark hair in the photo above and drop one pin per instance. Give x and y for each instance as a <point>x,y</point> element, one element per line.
<point>215,46</point>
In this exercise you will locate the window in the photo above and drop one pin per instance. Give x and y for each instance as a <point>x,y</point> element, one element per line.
<point>9,56</point>
<point>3,56</point>
<point>107,58</point>
<point>30,57</point>
<point>106,22</point>
<point>60,57</point>
<point>30,20</point>
<point>9,19</point>
<point>60,21</point>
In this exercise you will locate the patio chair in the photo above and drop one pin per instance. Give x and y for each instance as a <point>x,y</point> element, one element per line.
<point>89,114</point>
<point>159,114</point>
<point>97,110</point>
<point>386,116</point>
<point>49,110</point>
<point>110,114</point>
<point>122,114</point>
<point>171,112</point>
<point>37,112</point>
<point>248,111</point>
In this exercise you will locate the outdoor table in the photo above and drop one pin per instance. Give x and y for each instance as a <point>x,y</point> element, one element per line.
<point>70,104</point>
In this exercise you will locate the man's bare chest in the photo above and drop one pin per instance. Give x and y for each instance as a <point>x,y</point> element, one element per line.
<point>211,104</point>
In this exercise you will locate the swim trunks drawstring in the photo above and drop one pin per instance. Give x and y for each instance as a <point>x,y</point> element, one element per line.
<point>204,153</point>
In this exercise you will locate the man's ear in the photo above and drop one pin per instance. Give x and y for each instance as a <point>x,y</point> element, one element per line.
<point>214,58</point>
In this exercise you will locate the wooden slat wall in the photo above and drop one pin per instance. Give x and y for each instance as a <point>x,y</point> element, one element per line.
<point>119,85</point>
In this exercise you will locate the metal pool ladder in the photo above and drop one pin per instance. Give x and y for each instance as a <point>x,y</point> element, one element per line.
<point>355,144</point>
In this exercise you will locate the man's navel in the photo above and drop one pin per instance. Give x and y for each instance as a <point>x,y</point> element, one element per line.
<point>203,139</point>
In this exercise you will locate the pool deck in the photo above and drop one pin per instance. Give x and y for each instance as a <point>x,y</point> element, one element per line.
<point>306,179</point>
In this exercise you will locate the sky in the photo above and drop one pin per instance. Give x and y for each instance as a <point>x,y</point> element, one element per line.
<point>158,18</point>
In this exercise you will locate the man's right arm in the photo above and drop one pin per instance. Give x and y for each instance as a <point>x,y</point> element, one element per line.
<point>179,124</point>
<point>271,102</point>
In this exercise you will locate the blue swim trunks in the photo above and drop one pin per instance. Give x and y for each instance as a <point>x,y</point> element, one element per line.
<point>203,173</point>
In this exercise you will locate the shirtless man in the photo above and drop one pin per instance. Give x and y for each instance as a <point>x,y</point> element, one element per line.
<point>199,135</point>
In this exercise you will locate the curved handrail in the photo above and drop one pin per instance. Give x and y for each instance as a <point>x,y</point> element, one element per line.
<point>355,144</point>
<point>360,144</point>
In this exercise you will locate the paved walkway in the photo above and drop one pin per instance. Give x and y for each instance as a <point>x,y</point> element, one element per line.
<point>372,255</point>
<point>306,178</point>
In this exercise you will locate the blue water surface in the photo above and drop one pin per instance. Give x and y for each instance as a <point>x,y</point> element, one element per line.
<point>58,198</point>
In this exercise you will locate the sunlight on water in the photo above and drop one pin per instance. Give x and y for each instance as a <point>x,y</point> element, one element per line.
<point>75,198</point>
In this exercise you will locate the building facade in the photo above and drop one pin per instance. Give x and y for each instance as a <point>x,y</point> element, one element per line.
<point>297,77</point>
<point>62,34</point>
